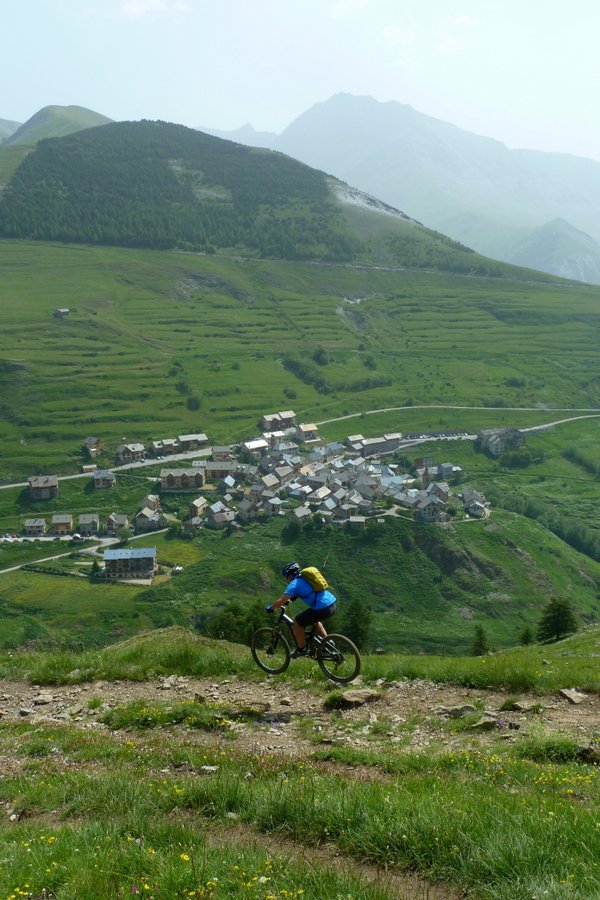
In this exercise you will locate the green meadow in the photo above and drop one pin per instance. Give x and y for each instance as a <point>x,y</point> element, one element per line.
<point>165,798</point>
<point>162,343</point>
<point>424,589</point>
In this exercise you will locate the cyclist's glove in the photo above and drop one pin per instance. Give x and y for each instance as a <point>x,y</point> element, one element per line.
<point>268,608</point>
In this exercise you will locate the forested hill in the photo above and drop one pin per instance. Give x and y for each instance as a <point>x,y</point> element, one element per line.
<point>160,185</point>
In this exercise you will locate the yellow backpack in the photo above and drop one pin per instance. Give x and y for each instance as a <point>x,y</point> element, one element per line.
<point>315,578</point>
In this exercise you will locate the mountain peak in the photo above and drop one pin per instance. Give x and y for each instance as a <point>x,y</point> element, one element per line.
<point>56,121</point>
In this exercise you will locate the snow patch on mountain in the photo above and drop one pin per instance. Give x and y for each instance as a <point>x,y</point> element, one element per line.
<point>352,196</point>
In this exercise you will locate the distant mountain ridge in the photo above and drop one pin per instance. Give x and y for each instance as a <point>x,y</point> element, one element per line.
<point>155,184</point>
<point>472,188</point>
<point>7,128</point>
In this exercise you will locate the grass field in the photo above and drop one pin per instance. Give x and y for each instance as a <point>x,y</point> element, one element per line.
<point>151,334</point>
<point>427,589</point>
<point>166,800</point>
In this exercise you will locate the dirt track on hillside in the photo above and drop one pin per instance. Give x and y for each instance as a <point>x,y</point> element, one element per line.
<point>402,716</point>
<point>413,713</point>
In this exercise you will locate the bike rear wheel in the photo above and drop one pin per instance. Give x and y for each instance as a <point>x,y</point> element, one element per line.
<point>270,650</point>
<point>339,658</point>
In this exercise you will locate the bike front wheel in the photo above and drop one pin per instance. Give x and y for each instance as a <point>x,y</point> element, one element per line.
<point>270,650</point>
<point>339,658</point>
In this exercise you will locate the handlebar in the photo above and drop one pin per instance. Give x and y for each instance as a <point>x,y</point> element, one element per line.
<point>271,608</point>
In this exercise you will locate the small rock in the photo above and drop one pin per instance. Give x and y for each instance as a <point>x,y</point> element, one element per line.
<point>285,701</point>
<point>43,699</point>
<point>525,706</point>
<point>589,754</point>
<point>486,723</point>
<point>572,695</point>
<point>209,769</point>
<point>457,712</point>
<point>23,711</point>
<point>350,699</point>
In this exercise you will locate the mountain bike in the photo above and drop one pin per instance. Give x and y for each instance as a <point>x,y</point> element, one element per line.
<point>336,655</point>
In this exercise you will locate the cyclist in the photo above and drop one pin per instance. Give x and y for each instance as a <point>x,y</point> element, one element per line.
<point>321,605</point>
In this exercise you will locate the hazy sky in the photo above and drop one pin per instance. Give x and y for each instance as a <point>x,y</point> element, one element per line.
<point>526,72</point>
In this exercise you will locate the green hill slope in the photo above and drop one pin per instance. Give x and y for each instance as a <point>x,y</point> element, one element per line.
<point>425,588</point>
<point>149,330</point>
<point>152,184</point>
<point>55,121</point>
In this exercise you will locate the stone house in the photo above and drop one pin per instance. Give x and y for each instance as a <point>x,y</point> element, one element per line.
<point>43,487</point>
<point>89,523</point>
<point>432,509</point>
<point>151,501</point>
<point>220,519</point>
<point>228,485</point>
<point>308,432</point>
<point>189,442</point>
<point>280,420</point>
<point>270,482</point>
<point>497,440</point>
<point>247,510</point>
<point>216,469</point>
<point>438,489</point>
<point>182,479</point>
<point>256,447</point>
<point>302,512</point>
<point>92,446</point>
<point>271,506</point>
<point>198,506</point>
<point>221,453</point>
<point>116,521</point>
<point>165,447</point>
<point>62,524</point>
<point>103,479</point>
<point>127,453</point>
<point>35,527</point>
<point>150,520</point>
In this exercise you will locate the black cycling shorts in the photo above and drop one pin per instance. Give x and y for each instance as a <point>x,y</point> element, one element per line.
<point>310,616</point>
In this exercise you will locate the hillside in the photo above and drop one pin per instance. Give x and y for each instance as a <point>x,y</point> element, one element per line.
<point>7,128</point>
<point>152,184</point>
<point>166,765</point>
<point>54,121</point>
<point>425,588</point>
<point>472,188</point>
<point>559,248</point>
<point>172,343</point>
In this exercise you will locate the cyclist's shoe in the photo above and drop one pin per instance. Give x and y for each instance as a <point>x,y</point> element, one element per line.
<point>299,651</point>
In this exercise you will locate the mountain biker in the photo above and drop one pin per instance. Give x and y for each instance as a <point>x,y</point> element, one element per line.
<point>321,605</point>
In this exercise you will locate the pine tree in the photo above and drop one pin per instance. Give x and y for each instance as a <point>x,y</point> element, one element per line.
<point>558,620</point>
<point>526,636</point>
<point>357,622</point>
<point>480,644</point>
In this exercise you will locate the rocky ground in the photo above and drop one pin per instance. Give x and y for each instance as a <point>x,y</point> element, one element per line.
<point>408,715</point>
<point>413,714</point>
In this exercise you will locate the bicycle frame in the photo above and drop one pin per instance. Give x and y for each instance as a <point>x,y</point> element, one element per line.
<point>312,638</point>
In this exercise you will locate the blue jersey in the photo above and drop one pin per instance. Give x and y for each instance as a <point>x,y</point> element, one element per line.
<point>301,588</point>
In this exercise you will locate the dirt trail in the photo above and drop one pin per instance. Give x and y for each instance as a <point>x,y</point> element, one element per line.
<point>408,712</point>
<point>403,715</point>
